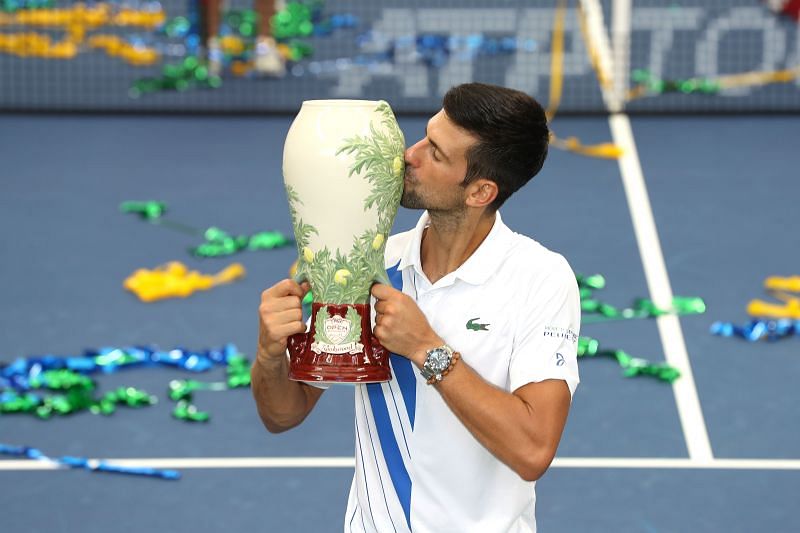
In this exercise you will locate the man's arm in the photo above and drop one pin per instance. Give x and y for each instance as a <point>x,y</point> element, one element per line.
<point>282,403</point>
<point>522,429</point>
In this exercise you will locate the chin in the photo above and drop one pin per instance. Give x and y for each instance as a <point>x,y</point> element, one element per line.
<point>411,201</point>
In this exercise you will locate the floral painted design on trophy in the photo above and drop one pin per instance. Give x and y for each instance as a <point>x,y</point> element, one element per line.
<point>339,278</point>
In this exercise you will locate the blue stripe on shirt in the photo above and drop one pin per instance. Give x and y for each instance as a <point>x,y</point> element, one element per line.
<point>391,451</point>
<point>404,374</point>
<point>401,367</point>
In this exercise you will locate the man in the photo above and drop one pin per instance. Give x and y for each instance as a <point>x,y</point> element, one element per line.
<point>483,325</point>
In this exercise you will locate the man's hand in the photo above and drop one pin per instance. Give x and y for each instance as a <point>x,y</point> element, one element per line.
<point>400,325</point>
<point>282,403</point>
<point>281,314</point>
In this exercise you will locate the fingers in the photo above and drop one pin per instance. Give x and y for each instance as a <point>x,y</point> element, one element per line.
<point>287,287</point>
<point>379,332</point>
<point>286,294</point>
<point>275,305</point>
<point>381,291</point>
<point>383,320</point>
<point>280,333</point>
<point>281,314</point>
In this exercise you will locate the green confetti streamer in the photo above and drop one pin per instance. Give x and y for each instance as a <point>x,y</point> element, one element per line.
<point>177,77</point>
<point>594,310</point>
<point>79,394</point>
<point>685,86</point>
<point>631,366</point>
<point>187,411</point>
<point>181,391</point>
<point>238,372</point>
<point>219,243</point>
<point>149,210</point>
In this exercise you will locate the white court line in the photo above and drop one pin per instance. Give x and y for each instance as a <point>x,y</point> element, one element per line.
<point>597,39</point>
<point>655,270</point>
<point>621,39</point>
<point>656,463</point>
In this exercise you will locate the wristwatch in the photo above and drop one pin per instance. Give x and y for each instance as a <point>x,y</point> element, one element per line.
<point>436,363</point>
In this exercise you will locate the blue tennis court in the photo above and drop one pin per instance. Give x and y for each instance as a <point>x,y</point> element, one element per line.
<point>722,203</point>
<point>113,102</point>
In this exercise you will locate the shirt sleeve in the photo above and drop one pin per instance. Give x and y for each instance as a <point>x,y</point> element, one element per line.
<point>546,338</point>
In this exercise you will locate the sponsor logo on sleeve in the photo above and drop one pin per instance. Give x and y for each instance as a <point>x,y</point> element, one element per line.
<point>561,333</point>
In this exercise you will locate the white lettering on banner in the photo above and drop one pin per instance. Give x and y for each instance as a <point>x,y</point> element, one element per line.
<point>742,18</point>
<point>529,70</point>
<point>651,23</point>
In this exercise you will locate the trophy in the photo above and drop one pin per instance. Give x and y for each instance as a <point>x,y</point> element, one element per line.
<point>343,170</point>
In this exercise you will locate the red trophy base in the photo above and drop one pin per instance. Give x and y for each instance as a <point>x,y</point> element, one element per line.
<point>338,353</point>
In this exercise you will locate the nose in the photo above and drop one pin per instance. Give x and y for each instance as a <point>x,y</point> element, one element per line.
<point>411,154</point>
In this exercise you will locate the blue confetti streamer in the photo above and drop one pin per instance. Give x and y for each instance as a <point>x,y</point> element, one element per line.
<point>85,463</point>
<point>758,330</point>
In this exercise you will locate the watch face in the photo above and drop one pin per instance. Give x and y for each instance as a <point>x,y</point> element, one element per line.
<point>439,359</point>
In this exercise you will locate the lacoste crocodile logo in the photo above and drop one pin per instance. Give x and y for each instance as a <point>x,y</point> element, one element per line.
<point>477,326</point>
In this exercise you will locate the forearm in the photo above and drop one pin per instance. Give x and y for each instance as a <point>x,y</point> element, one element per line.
<point>506,425</point>
<point>522,429</point>
<point>282,403</point>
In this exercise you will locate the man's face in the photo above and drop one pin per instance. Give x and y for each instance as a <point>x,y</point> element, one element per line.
<point>436,166</point>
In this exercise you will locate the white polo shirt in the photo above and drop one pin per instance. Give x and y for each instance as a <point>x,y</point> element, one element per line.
<point>513,312</point>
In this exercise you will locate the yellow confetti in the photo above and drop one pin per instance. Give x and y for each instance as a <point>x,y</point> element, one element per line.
<point>762,309</point>
<point>232,44</point>
<point>174,280</point>
<point>777,283</point>
<point>602,150</point>
<point>778,287</point>
<point>571,144</point>
<point>76,22</point>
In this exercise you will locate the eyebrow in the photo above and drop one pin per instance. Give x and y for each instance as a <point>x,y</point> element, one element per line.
<point>439,148</point>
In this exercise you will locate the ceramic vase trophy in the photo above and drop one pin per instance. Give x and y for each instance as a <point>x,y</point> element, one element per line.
<point>343,170</point>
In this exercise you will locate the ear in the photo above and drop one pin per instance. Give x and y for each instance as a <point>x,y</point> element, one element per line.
<point>481,193</point>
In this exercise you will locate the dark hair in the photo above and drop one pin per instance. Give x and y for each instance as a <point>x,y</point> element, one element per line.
<point>512,133</point>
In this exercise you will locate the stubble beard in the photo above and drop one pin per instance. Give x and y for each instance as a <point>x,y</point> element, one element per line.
<point>448,218</point>
<point>449,215</point>
<point>411,200</point>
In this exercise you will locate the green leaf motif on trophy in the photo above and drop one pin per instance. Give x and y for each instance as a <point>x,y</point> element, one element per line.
<point>378,159</point>
<point>302,232</point>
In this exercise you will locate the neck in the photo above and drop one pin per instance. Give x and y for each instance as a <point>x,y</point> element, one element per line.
<point>451,239</point>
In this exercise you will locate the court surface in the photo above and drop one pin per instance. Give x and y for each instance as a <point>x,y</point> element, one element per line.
<point>718,451</point>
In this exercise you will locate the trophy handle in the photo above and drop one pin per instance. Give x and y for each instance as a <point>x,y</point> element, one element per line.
<point>300,277</point>
<point>296,344</point>
<point>378,351</point>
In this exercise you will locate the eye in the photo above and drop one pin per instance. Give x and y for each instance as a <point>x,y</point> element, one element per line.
<point>435,154</point>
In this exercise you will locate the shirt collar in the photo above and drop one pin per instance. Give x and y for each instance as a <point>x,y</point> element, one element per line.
<point>479,266</point>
